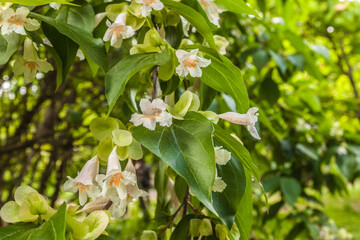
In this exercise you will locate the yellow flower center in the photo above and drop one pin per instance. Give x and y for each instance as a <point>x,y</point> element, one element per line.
<point>190,63</point>
<point>148,2</point>
<point>118,30</point>
<point>152,116</point>
<point>31,65</point>
<point>116,179</point>
<point>15,21</point>
<point>82,187</point>
<point>205,3</point>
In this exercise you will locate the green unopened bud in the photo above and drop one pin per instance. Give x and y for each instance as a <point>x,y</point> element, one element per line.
<point>221,232</point>
<point>149,235</point>
<point>113,10</point>
<point>33,206</point>
<point>221,44</point>
<point>21,193</point>
<point>153,38</point>
<point>172,18</point>
<point>205,228</point>
<point>194,227</point>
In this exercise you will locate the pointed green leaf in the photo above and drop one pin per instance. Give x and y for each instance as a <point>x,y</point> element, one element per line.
<point>117,77</point>
<point>20,231</point>
<point>9,43</point>
<point>94,48</point>
<point>194,17</point>
<point>188,148</point>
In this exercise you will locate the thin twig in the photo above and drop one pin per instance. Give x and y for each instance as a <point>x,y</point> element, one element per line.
<point>171,219</point>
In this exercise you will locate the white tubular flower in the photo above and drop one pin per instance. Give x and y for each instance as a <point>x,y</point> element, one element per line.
<point>222,156</point>
<point>17,21</point>
<point>185,26</point>
<point>55,5</point>
<point>190,63</point>
<point>153,112</point>
<point>118,31</point>
<point>249,119</point>
<point>30,64</point>
<point>148,5</point>
<point>219,185</point>
<point>212,11</point>
<point>115,181</point>
<point>84,181</point>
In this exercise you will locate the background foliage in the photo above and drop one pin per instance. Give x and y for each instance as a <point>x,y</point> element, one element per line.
<point>299,60</point>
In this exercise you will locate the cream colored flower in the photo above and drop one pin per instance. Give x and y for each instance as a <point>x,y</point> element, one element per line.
<point>85,181</point>
<point>30,64</point>
<point>222,156</point>
<point>190,63</point>
<point>148,5</point>
<point>118,31</point>
<point>212,11</point>
<point>17,21</point>
<point>115,181</point>
<point>219,185</point>
<point>153,112</point>
<point>249,119</point>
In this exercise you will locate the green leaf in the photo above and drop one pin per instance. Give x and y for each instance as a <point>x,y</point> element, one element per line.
<point>305,50</point>
<point>269,90</point>
<point>63,59</point>
<point>117,77</point>
<point>181,232</point>
<point>195,18</point>
<point>94,48</point>
<point>81,17</point>
<point>103,128</point>
<point>37,2</point>
<point>225,77</point>
<point>227,202</point>
<point>161,181</point>
<point>236,6</point>
<point>20,231</point>
<point>279,61</point>
<point>260,59</point>
<point>9,43</point>
<point>236,149</point>
<point>291,189</point>
<point>54,228</point>
<point>244,215</point>
<point>186,147</point>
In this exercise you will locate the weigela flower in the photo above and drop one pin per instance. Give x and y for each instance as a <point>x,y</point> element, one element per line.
<point>249,119</point>
<point>55,5</point>
<point>115,181</point>
<point>190,63</point>
<point>222,156</point>
<point>153,112</point>
<point>17,21</point>
<point>148,5</point>
<point>118,31</point>
<point>212,11</point>
<point>30,64</point>
<point>85,181</point>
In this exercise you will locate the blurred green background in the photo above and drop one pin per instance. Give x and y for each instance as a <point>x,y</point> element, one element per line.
<point>300,61</point>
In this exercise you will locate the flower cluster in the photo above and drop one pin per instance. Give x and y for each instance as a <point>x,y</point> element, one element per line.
<point>117,187</point>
